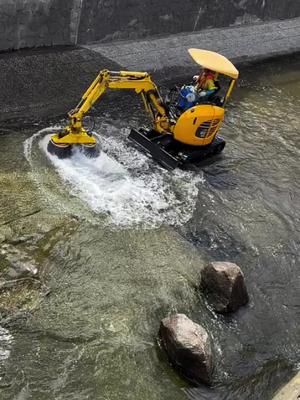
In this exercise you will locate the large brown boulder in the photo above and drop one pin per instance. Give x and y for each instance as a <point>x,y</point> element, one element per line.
<point>188,347</point>
<point>224,285</point>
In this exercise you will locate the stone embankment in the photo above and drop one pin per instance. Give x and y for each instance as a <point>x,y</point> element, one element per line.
<point>240,44</point>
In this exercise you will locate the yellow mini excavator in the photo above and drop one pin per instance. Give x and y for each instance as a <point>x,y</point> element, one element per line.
<point>184,127</point>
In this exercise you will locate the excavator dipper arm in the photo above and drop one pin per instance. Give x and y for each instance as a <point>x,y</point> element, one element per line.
<point>140,82</point>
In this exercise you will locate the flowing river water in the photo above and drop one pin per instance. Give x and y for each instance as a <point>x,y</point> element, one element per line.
<point>121,242</point>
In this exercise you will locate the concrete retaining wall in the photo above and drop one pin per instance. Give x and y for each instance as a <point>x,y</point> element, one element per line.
<point>31,23</point>
<point>131,19</point>
<point>34,23</point>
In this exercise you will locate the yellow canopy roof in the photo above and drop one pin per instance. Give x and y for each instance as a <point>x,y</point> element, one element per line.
<point>214,61</point>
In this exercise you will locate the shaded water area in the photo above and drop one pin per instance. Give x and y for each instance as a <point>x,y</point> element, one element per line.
<point>121,242</point>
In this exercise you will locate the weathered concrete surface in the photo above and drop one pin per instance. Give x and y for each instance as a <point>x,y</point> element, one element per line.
<point>291,391</point>
<point>245,43</point>
<point>35,23</point>
<point>124,19</point>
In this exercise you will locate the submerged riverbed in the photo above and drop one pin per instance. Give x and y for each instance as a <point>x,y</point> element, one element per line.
<point>120,243</point>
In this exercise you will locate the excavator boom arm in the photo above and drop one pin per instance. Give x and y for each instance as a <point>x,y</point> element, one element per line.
<point>140,82</point>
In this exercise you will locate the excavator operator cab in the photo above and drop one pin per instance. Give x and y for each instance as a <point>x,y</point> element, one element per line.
<point>224,75</point>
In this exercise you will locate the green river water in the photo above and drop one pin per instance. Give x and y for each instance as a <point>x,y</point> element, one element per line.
<point>120,244</point>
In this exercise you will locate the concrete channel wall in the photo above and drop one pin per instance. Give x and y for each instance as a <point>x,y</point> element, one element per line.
<point>132,19</point>
<point>34,23</point>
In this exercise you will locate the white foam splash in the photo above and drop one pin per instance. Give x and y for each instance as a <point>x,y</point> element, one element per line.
<point>126,185</point>
<point>29,142</point>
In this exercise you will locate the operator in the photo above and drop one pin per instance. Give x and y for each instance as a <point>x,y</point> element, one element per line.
<point>205,83</point>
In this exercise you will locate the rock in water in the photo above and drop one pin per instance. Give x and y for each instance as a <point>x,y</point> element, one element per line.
<point>188,347</point>
<point>225,286</point>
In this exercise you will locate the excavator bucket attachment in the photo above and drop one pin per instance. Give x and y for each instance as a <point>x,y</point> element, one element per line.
<point>63,143</point>
<point>149,141</point>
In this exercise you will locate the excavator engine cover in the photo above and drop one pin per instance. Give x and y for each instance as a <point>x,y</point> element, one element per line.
<point>198,125</point>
